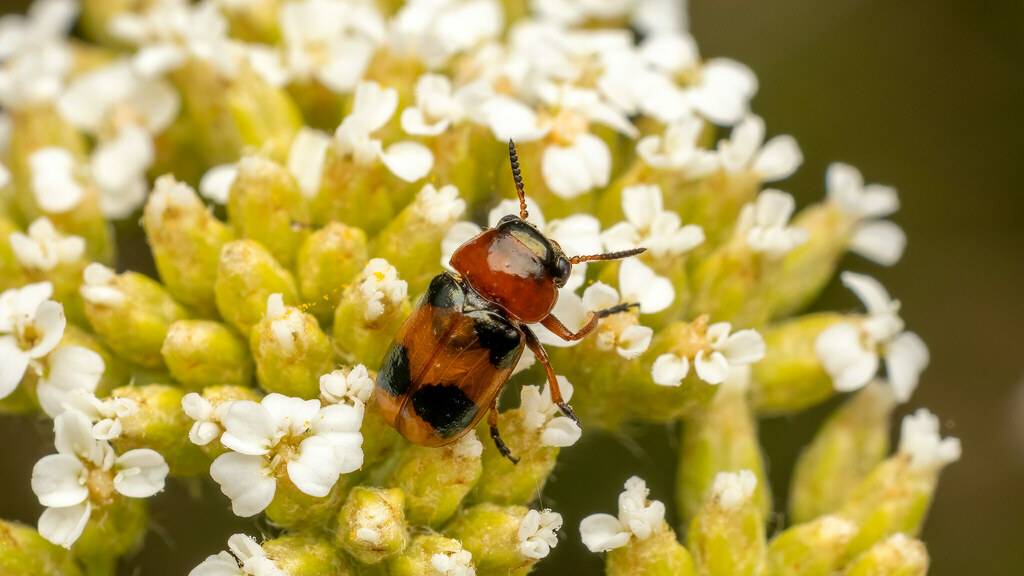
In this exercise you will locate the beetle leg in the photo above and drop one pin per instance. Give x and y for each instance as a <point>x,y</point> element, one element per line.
<point>542,357</point>
<point>492,421</point>
<point>558,329</point>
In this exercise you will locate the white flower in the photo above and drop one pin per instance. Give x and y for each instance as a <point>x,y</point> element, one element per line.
<point>115,96</point>
<point>733,489</point>
<point>459,563</point>
<point>720,353</point>
<point>118,167</point>
<point>439,206</point>
<point>329,40</point>
<point>216,183</point>
<point>53,180</point>
<point>539,412</point>
<point>347,386</point>
<point>70,372</point>
<point>577,168</point>
<point>468,447</point>
<point>920,441</point>
<point>877,240</point>
<point>31,325</point>
<point>380,288</point>
<point>639,283</point>
<point>373,108</point>
<point>34,53</point>
<point>678,149</point>
<point>438,106</point>
<point>538,533</point>
<point>637,517</point>
<point>64,481</point>
<point>850,351</point>
<point>763,224</point>
<point>44,248</point>
<point>170,197</point>
<point>207,416</point>
<point>434,31</point>
<point>99,286</point>
<point>649,225</point>
<point>305,161</point>
<point>312,444</point>
<point>249,559</point>
<point>723,91</point>
<point>743,152</point>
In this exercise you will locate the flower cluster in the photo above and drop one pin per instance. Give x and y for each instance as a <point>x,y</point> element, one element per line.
<point>304,168</point>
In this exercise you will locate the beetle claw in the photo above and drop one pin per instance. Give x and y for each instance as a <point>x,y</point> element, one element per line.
<point>567,410</point>
<point>500,445</point>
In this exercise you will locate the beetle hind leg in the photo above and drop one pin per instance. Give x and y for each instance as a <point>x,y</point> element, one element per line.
<point>492,421</point>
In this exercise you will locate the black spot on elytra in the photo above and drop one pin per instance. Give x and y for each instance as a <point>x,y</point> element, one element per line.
<point>446,408</point>
<point>501,339</point>
<point>394,375</point>
<point>444,292</point>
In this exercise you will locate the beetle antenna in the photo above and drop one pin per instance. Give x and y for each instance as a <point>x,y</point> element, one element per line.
<point>608,256</point>
<point>518,177</point>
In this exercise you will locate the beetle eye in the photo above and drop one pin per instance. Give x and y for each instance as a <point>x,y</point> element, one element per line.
<point>506,219</point>
<point>563,268</point>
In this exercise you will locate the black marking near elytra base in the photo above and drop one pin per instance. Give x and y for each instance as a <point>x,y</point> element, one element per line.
<point>394,376</point>
<point>445,292</point>
<point>501,339</point>
<point>616,309</point>
<point>446,408</point>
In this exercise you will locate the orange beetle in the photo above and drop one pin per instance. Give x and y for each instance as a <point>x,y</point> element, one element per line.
<point>457,349</point>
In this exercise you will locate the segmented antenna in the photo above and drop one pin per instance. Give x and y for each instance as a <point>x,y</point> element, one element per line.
<point>608,256</point>
<point>518,178</point>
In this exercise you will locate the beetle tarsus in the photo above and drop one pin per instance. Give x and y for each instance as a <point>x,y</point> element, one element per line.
<point>616,309</point>
<point>567,410</point>
<point>500,445</point>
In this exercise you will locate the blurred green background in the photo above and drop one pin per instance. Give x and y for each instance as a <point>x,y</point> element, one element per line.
<point>926,96</point>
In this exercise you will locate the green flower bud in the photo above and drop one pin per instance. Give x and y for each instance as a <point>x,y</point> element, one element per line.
<point>898,555</point>
<point>254,21</point>
<point>372,309</point>
<point>505,483</point>
<point>853,440</point>
<point>896,495</point>
<point>660,554</point>
<point>267,206</point>
<point>435,480</point>
<point>430,554</point>
<point>23,552</point>
<point>130,312</point>
<point>186,241</point>
<point>201,353</point>
<point>727,285</point>
<point>412,241</point>
<point>291,351</point>
<point>266,117</point>
<point>465,155</point>
<point>380,440</point>
<point>791,377</point>
<point>159,423</point>
<point>727,535</point>
<point>504,540</point>
<point>356,194</point>
<point>246,276</point>
<point>293,508</point>
<point>803,273</point>
<point>116,526</point>
<point>816,548</point>
<point>305,555</point>
<point>721,438</point>
<point>328,260</point>
<point>371,524</point>
<point>12,275</point>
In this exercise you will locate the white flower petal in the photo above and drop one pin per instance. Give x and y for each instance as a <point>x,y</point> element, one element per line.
<point>317,467</point>
<point>291,415</point>
<point>306,159</point>
<point>669,370</point>
<point>59,480</point>
<point>69,368</point>
<point>410,161</point>
<point>560,432</point>
<point>905,358</point>
<point>142,473</point>
<point>712,368</point>
<point>638,283</point>
<point>13,363</point>
<point>63,526</point>
<point>415,123</point>
<point>510,119</point>
<point>249,428</point>
<point>633,341</point>
<point>881,242</point>
<point>53,183</point>
<point>223,564</point>
<point>216,183</point>
<point>869,291</point>
<point>246,480</point>
<point>843,356</point>
<point>743,347</point>
<point>603,532</point>
<point>778,159</point>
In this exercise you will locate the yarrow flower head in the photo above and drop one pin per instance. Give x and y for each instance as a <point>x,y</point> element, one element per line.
<point>638,517</point>
<point>353,387</point>
<point>649,225</point>
<point>763,224</point>
<point>282,436</point>
<point>864,207</point>
<point>381,288</point>
<point>538,533</point>
<point>920,441</point>
<point>851,351</point>
<point>44,248</point>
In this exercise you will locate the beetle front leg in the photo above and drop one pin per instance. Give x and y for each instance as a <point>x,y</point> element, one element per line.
<point>558,329</point>
<point>492,421</point>
<point>542,357</point>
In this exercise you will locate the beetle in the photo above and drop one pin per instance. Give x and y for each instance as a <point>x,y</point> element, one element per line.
<point>453,355</point>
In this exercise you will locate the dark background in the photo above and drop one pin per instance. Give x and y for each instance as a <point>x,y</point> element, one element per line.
<point>925,96</point>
